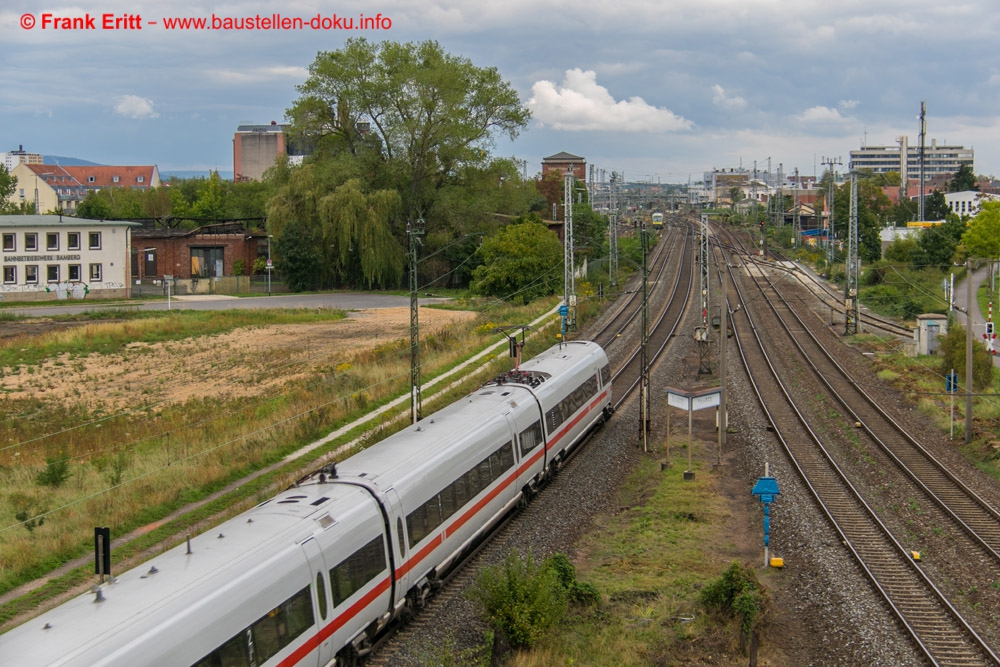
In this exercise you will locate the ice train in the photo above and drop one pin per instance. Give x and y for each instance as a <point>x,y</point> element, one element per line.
<point>311,576</point>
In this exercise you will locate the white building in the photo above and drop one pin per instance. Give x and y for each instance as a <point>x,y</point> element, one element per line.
<point>49,257</point>
<point>13,158</point>
<point>967,203</point>
<point>938,160</point>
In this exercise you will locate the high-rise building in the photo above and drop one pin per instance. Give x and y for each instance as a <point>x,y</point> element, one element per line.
<point>938,160</point>
<point>256,147</point>
<point>13,158</point>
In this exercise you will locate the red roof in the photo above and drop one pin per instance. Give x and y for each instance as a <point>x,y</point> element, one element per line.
<point>116,177</point>
<point>53,174</point>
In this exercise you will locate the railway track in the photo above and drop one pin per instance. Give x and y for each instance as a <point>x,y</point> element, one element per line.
<point>674,281</point>
<point>937,628</point>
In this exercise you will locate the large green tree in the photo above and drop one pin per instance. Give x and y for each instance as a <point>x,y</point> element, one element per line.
<point>873,206</point>
<point>522,262</point>
<point>8,184</point>
<point>964,179</point>
<point>982,237</point>
<point>348,228</point>
<point>412,115</point>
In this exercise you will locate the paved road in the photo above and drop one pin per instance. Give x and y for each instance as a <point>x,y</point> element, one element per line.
<point>342,300</point>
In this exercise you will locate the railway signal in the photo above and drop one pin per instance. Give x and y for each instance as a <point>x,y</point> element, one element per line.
<point>766,490</point>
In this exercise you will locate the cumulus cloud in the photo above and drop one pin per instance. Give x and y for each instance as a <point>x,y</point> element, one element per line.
<point>821,114</point>
<point>133,106</point>
<point>720,98</point>
<point>581,104</point>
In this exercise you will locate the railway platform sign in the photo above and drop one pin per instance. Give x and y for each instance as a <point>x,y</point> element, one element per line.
<point>691,401</point>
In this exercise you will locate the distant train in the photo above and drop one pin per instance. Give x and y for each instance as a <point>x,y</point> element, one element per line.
<point>311,576</point>
<point>657,220</point>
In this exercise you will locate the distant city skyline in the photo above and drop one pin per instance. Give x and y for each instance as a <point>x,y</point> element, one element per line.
<point>661,93</point>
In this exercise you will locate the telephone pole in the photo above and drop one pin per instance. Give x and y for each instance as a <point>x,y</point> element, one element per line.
<point>414,230</point>
<point>851,309</point>
<point>830,163</point>
<point>569,280</point>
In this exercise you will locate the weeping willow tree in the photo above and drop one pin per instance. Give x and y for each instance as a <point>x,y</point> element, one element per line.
<point>357,227</point>
<point>329,234</point>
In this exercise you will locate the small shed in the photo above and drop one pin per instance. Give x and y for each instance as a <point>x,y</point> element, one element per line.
<point>929,327</point>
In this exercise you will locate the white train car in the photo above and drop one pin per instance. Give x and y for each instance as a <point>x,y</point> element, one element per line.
<point>310,576</point>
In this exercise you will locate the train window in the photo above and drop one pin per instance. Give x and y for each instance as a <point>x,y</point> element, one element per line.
<point>507,456</point>
<point>357,570</point>
<point>461,488</point>
<point>231,654</point>
<point>399,536</point>
<point>530,438</point>
<point>321,595</point>
<point>271,633</point>
<point>605,375</point>
<point>280,626</point>
<point>495,466</point>
<point>448,504</point>
<point>485,477</point>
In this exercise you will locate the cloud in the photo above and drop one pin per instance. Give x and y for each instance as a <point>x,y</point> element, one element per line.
<point>133,106</point>
<point>820,114</point>
<point>720,98</point>
<point>581,104</point>
<point>847,105</point>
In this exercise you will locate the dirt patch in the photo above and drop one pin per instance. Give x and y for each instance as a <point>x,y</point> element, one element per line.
<point>246,362</point>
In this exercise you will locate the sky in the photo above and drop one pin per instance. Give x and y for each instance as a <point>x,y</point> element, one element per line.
<point>660,90</point>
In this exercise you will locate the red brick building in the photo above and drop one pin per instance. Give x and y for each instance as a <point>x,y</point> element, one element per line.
<point>207,252</point>
<point>563,162</point>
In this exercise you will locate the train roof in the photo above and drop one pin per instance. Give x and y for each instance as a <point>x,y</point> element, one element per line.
<point>403,460</point>
<point>166,588</point>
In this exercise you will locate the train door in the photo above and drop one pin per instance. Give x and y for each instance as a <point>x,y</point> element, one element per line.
<point>397,544</point>
<point>321,602</point>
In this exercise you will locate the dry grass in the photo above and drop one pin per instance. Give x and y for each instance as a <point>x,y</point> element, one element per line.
<point>129,467</point>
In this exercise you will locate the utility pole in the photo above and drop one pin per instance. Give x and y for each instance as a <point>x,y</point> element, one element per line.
<point>968,350</point>
<point>923,136</point>
<point>414,230</point>
<point>644,381</point>
<point>613,234</point>
<point>723,344</point>
<point>796,219</point>
<point>851,309</point>
<point>569,280</point>
<point>830,163</point>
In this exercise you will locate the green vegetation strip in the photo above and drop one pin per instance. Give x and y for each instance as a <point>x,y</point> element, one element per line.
<point>650,562</point>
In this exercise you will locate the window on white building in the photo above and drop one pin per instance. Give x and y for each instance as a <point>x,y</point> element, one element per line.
<point>72,240</point>
<point>52,241</point>
<point>9,275</point>
<point>52,273</point>
<point>94,240</point>
<point>74,273</point>
<point>31,274</point>
<point>30,241</point>
<point>9,243</point>
<point>95,273</point>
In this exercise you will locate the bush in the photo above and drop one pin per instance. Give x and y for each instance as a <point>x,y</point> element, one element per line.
<point>739,595</point>
<point>952,349</point>
<point>56,470</point>
<point>520,599</point>
<point>239,267</point>
<point>566,574</point>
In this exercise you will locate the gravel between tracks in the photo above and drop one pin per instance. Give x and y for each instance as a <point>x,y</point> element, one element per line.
<point>826,612</point>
